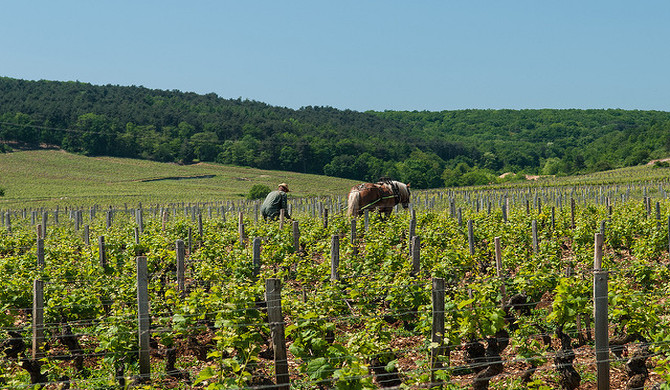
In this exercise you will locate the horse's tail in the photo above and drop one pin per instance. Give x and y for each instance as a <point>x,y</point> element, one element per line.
<point>353,203</point>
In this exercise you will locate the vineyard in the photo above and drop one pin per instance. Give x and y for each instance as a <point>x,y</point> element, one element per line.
<point>466,289</point>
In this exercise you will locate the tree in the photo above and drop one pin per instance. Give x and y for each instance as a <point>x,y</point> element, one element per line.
<point>422,170</point>
<point>552,166</point>
<point>96,134</point>
<point>205,145</point>
<point>258,191</point>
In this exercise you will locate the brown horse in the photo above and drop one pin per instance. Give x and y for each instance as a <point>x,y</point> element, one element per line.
<point>382,196</point>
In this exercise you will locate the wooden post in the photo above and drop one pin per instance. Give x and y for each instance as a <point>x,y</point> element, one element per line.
<point>181,257</point>
<point>40,253</point>
<point>281,219</point>
<point>101,252</point>
<point>296,237</point>
<point>240,227</point>
<point>189,240</point>
<point>256,259</point>
<point>534,231</point>
<point>437,332</point>
<point>139,219</point>
<point>136,230</point>
<point>499,271</point>
<point>325,218</point>
<point>366,220</point>
<point>600,316</point>
<point>276,322</point>
<point>354,236</point>
<point>412,232</point>
<point>200,231</point>
<point>471,237</point>
<point>553,218</point>
<point>44,224</point>
<point>572,213</point>
<point>143,319</point>
<point>109,218</point>
<point>38,318</point>
<point>334,257</point>
<point>416,255</point>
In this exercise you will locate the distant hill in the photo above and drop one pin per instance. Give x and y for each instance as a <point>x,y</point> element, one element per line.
<point>428,149</point>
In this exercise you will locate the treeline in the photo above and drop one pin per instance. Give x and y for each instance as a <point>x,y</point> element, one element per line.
<point>428,149</point>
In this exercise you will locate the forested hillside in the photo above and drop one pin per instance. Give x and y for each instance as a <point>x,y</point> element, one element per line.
<point>428,149</point>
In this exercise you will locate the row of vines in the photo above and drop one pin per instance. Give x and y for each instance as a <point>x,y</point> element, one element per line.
<point>528,326</point>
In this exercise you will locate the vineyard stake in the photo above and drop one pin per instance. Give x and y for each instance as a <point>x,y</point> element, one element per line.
<point>367,220</point>
<point>296,237</point>
<point>181,254</point>
<point>40,253</point>
<point>109,217</point>
<point>534,232</point>
<point>437,331</point>
<point>416,255</point>
<point>499,269</point>
<point>44,224</point>
<point>240,227</point>
<point>38,318</point>
<point>600,315</point>
<point>471,237</point>
<point>354,243</point>
<point>412,232</point>
<point>276,322</point>
<point>200,233</point>
<point>553,218</point>
<point>139,219</point>
<point>334,258</point>
<point>256,259</point>
<point>101,252</point>
<point>190,240</point>
<point>143,320</point>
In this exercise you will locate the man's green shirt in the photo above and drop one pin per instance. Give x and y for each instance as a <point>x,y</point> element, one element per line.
<point>274,202</point>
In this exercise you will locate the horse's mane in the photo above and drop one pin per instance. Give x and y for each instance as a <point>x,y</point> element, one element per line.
<point>402,188</point>
<point>353,203</point>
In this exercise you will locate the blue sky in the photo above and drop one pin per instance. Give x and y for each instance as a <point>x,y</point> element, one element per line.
<point>359,55</point>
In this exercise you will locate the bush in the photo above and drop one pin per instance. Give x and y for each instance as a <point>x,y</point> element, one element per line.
<point>258,191</point>
<point>2,192</point>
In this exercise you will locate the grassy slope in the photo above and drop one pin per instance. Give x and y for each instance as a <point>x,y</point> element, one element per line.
<point>47,177</point>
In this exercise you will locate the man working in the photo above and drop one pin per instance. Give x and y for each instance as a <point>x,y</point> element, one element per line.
<point>275,202</point>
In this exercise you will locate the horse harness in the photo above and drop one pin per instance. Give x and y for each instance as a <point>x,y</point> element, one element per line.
<point>395,193</point>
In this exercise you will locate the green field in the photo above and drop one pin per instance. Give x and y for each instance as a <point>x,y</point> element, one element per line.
<point>48,177</point>
<point>37,178</point>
